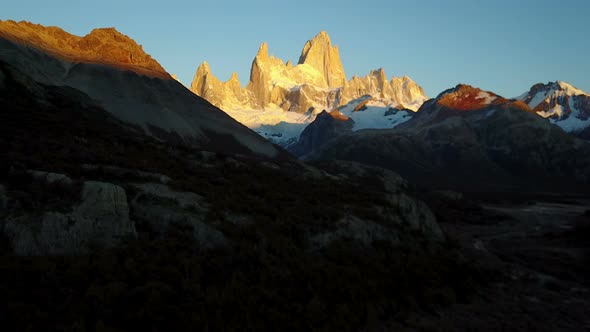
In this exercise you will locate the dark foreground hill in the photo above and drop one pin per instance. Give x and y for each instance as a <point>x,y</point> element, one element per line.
<point>107,228</point>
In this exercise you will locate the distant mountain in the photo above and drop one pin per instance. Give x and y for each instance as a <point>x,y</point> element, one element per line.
<point>563,104</point>
<point>472,140</point>
<point>280,99</point>
<point>116,72</point>
<point>324,128</point>
<point>362,113</point>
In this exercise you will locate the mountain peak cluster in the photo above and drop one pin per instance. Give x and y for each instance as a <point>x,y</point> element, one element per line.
<point>318,82</point>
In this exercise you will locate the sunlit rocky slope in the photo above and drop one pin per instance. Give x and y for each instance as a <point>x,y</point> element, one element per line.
<point>115,71</point>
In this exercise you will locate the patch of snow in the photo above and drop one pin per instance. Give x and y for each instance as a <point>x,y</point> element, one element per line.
<point>556,90</point>
<point>573,122</point>
<point>570,89</point>
<point>373,117</point>
<point>284,128</point>
<point>415,104</point>
<point>555,111</point>
<point>282,133</point>
<point>273,122</point>
<point>540,97</point>
<point>487,98</point>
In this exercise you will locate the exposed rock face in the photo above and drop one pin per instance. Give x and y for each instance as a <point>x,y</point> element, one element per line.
<point>467,136</point>
<point>114,72</point>
<point>417,215</point>
<point>209,85</point>
<point>563,104</point>
<point>402,90</point>
<point>259,78</point>
<point>101,219</point>
<point>319,54</point>
<point>318,81</point>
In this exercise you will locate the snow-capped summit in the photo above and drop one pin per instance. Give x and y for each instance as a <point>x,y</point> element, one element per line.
<point>464,98</point>
<point>563,104</point>
<point>280,98</point>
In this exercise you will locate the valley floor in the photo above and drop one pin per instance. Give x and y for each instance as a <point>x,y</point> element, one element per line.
<point>541,252</point>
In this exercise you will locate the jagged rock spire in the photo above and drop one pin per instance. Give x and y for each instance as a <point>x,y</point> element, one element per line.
<point>325,58</point>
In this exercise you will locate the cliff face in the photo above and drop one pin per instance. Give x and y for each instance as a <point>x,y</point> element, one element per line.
<point>319,54</point>
<point>402,90</point>
<point>318,81</point>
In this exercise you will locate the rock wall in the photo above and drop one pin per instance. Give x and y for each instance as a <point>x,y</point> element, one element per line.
<point>101,219</point>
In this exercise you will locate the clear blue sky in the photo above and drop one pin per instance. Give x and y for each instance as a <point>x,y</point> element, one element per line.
<point>498,45</point>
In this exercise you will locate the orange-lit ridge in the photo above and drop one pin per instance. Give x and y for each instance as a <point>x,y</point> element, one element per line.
<point>105,46</point>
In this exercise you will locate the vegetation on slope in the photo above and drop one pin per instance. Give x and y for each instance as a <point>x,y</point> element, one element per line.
<point>268,278</point>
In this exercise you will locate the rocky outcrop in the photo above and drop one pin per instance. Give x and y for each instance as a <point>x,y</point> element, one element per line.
<point>416,215</point>
<point>318,81</point>
<point>407,213</point>
<point>259,85</point>
<point>403,213</point>
<point>101,219</point>
<point>209,85</point>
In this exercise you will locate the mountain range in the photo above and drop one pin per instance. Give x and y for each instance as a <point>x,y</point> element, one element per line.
<point>281,98</point>
<point>467,139</point>
<point>120,188</point>
<point>455,136</point>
